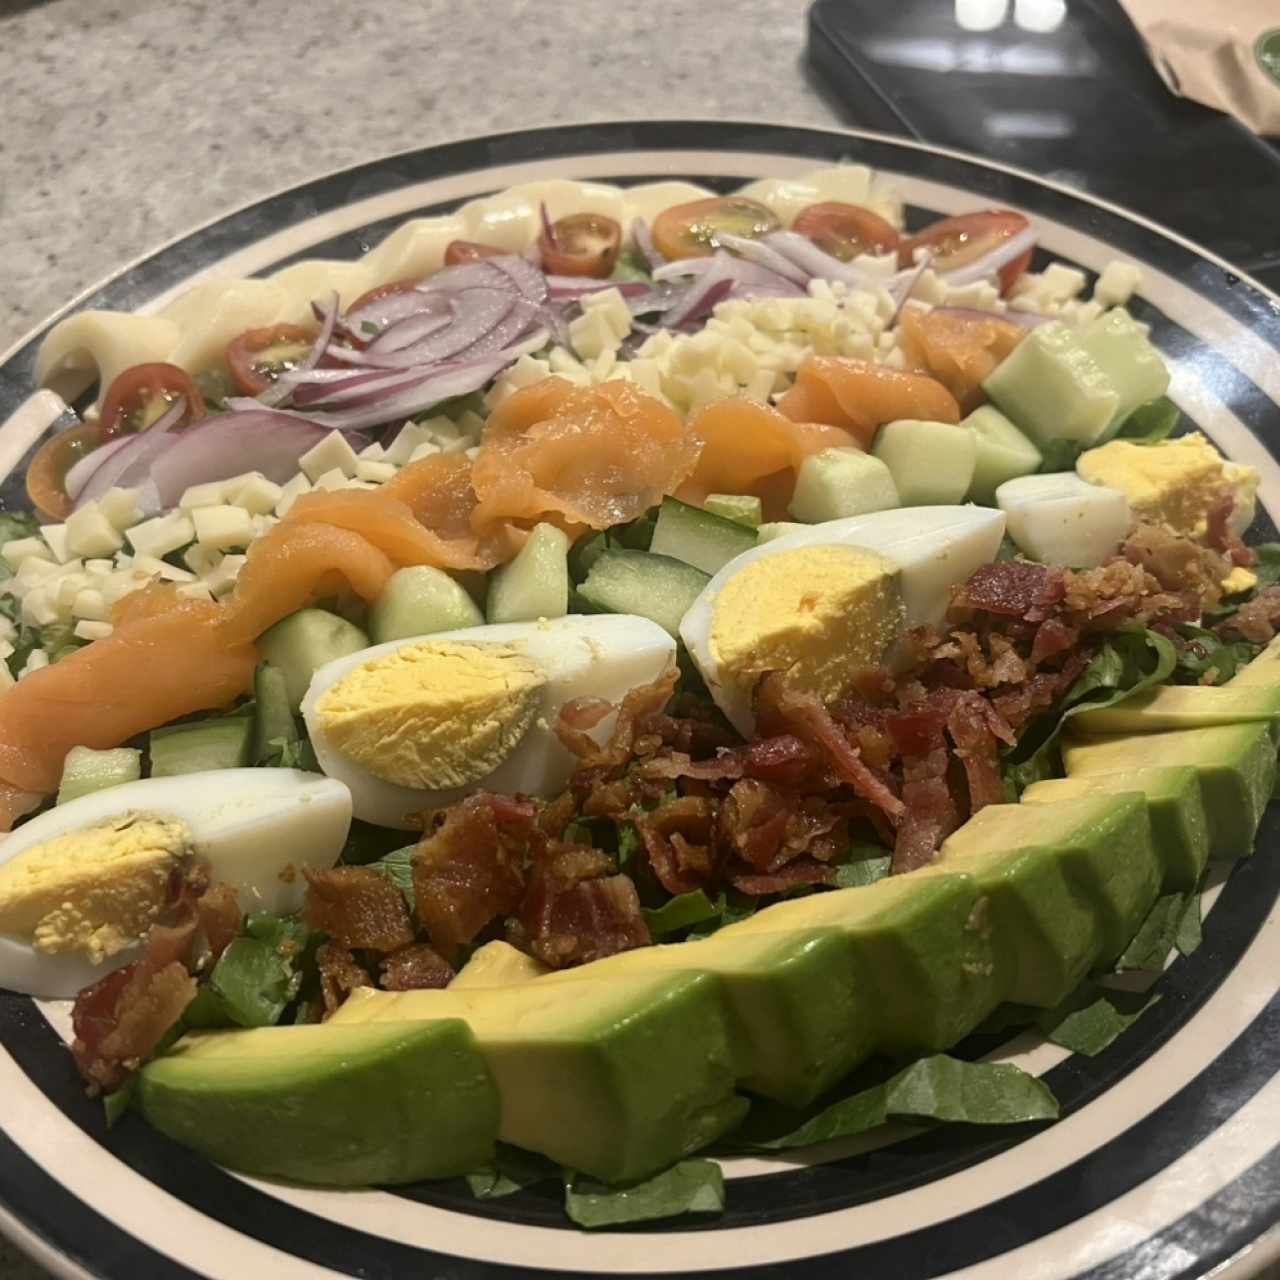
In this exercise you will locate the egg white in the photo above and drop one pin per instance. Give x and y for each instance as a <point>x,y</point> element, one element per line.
<point>256,829</point>
<point>935,548</point>
<point>583,656</point>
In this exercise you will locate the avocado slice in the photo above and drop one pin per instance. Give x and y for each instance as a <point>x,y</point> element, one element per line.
<point>1236,764</point>
<point>334,1105</point>
<point>616,1079</point>
<point>1067,886</point>
<point>1179,826</point>
<point>1184,707</point>
<point>497,964</point>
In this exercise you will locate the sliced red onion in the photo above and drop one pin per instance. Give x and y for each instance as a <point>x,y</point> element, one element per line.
<point>130,465</point>
<point>548,227</point>
<point>229,444</point>
<point>327,313</point>
<point>903,284</point>
<point>764,256</point>
<point>354,389</point>
<point>522,316</point>
<point>989,263</point>
<point>79,475</point>
<point>531,283</point>
<point>643,241</point>
<point>571,288</point>
<point>802,252</point>
<point>710,287</point>
<point>375,316</point>
<point>468,275</point>
<point>413,328</point>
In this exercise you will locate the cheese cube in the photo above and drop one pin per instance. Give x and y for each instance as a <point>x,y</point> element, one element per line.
<point>264,524</point>
<point>19,550</point>
<point>120,506</point>
<point>163,534</point>
<point>200,559</point>
<point>424,450</point>
<point>333,452</point>
<point>590,334</point>
<point>155,568</point>
<point>256,494</point>
<point>1116,284</point>
<point>93,629</point>
<point>64,592</point>
<point>194,591</point>
<point>222,578</point>
<point>36,660</point>
<point>377,472</point>
<point>211,494</point>
<point>31,571</point>
<point>612,307</point>
<point>331,480</point>
<point>90,606</point>
<point>358,484</point>
<point>471,424</point>
<point>223,526</point>
<point>411,435</point>
<point>291,492</point>
<point>373,451</point>
<point>99,568</point>
<point>39,608</point>
<point>56,536</point>
<point>90,533</point>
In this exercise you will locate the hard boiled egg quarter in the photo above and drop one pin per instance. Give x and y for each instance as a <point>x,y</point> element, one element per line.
<point>827,599</point>
<point>419,723</point>
<point>81,883</point>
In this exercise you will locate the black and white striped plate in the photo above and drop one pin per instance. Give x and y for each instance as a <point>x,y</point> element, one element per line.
<point>1167,1161</point>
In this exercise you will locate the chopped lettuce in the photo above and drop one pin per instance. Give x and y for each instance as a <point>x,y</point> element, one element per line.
<point>937,1088</point>
<point>866,864</point>
<point>1173,921</point>
<point>1151,422</point>
<point>1205,658</point>
<point>397,866</point>
<point>692,1186</point>
<point>1092,1017</point>
<point>681,912</point>
<point>512,1170</point>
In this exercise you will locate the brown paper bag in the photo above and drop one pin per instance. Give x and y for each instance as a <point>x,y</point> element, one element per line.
<point>1224,53</point>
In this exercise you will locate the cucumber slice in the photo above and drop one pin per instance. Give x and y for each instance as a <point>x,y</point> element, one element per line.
<point>273,720</point>
<point>303,642</point>
<point>932,462</point>
<point>85,770</point>
<point>837,483</point>
<point>778,529</point>
<point>650,586</point>
<point>745,508</point>
<point>1003,453</point>
<point>418,601</point>
<point>208,744</point>
<point>536,583</point>
<point>700,538</point>
<point>585,552</point>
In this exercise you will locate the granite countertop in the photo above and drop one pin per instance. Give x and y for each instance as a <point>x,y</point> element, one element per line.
<point>128,122</point>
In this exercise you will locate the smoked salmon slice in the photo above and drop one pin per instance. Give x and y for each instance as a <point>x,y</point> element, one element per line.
<point>959,348</point>
<point>860,397</point>
<point>154,667</point>
<point>750,448</point>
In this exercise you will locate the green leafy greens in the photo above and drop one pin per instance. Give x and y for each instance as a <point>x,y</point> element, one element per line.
<point>1092,1017</point>
<point>692,1186</point>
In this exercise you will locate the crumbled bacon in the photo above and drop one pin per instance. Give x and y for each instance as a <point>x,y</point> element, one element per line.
<point>1220,535</point>
<point>219,917</point>
<point>578,909</point>
<point>969,725</point>
<point>340,975</point>
<point>470,870</point>
<point>358,908</point>
<point>1256,620</point>
<point>804,871</point>
<point>1011,588</point>
<point>680,841</point>
<point>415,968</point>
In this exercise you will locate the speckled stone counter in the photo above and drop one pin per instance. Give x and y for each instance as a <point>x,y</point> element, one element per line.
<point>128,122</point>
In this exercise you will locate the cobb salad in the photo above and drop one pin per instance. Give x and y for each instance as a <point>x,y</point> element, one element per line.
<point>615,672</point>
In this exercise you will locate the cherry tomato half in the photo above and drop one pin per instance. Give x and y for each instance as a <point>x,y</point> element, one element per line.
<point>961,239</point>
<point>144,393</point>
<point>459,251</point>
<point>845,230</point>
<point>585,244</point>
<point>689,230</point>
<point>46,477</point>
<point>258,356</point>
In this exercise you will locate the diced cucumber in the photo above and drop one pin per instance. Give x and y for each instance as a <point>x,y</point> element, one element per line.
<point>585,552</point>
<point>419,600</point>
<point>651,586</point>
<point>1051,388</point>
<point>699,537</point>
<point>1003,453</point>
<point>836,483</point>
<point>85,770</point>
<point>931,462</point>
<point>745,508</point>
<point>1134,367</point>
<point>273,720</point>
<point>535,584</point>
<point>208,744</point>
<point>777,529</point>
<point>303,642</point>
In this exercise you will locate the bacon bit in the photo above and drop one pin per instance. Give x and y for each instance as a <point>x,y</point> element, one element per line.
<point>1011,588</point>
<point>804,715</point>
<point>769,829</point>
<point>340,975</point>
<point>469,872</point>
<point>359,908</point>
<point>783,759</point>
<point>680,840</point>
<point>1052,638</point>
<point>930,810</point>
<point>415,968</point>
<point>637,708</point>
<point>219,918</point>
<point>1222,538</point>
<point>970,730</point>
<point>804,871</point>
<point>585,713</point>
<point>578,909</point>
<point>1256,620</point>
<point>723,766</point>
